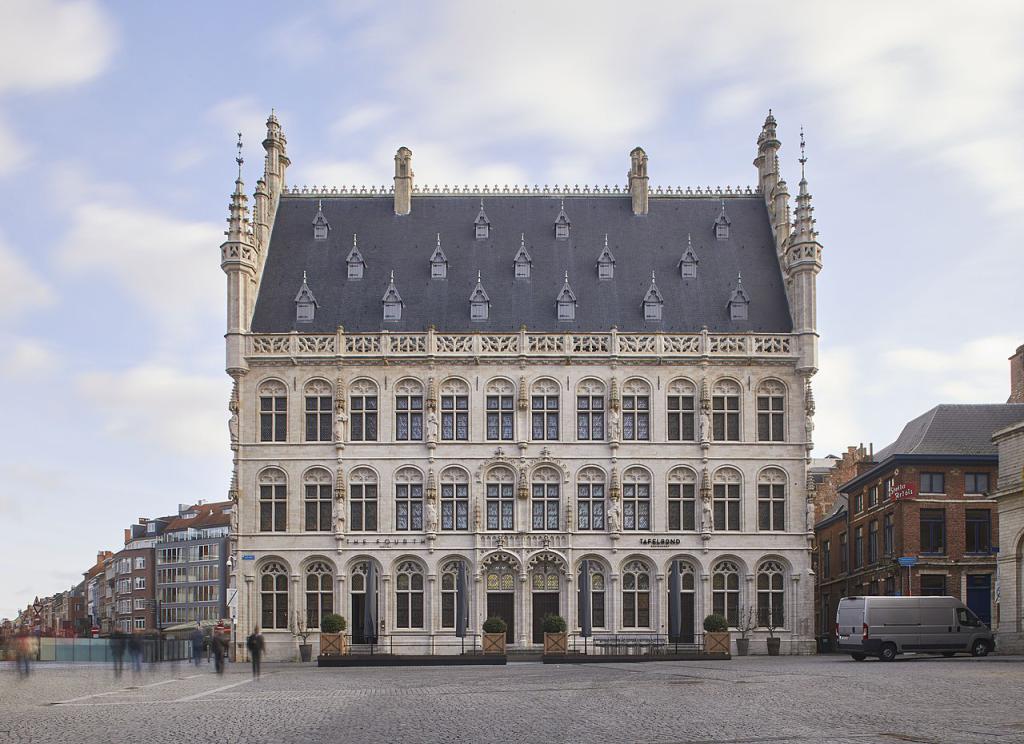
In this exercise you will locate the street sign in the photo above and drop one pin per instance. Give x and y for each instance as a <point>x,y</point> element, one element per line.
<point>908,560</point>
<point>248,557</point>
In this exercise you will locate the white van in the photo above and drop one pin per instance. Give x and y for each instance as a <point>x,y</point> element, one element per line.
<point>887,626</point>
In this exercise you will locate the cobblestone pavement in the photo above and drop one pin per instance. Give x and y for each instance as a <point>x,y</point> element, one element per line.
<point>755,699</point>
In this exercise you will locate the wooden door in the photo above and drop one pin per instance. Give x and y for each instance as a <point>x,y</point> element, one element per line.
<point>503,605</point>
<point>544,603</point>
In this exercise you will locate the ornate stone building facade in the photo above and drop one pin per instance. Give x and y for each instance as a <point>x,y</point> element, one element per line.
<point>519,379</point>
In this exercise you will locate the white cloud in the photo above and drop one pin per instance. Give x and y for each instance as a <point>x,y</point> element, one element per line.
<point>241,114</point>
<point>24,358</point>
<point>169,266</point>
<point>16,152</point>
<point>974,372</point>
<point>46,44</point>
<point>161,405</point>
<point>21,289</point>
<point>360,118</point>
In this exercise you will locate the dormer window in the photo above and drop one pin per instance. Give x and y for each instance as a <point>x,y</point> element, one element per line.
<point>392,301</point>
<point>482,224</point>
<point>688,263</point>
<point>566,301</point>
<point>305,303</point>
<point>562,224</point>
<point>438,262</point>
<point>722,224</point>
<point>605,262</point>
<point>738,301</point>
<point>653,302</point>
<point>522,260</point>
<point>320,225</point>
<point>355,261</point>
<point>479,302</point>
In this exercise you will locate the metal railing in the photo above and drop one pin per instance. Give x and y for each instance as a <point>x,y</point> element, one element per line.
<point>635,644</point>
<point>418,645</point>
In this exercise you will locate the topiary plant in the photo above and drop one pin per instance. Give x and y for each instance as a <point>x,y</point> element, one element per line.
<point>553,624</point>
<point>716,624</point>
<point>495,625</point>
<point>332,623</point>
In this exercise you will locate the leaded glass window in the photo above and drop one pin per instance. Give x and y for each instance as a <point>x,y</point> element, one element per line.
<point>597,595</point>
<point>636,500</point>
<point>500,501</point>
<point>771,500</point>
<point>363,411</point>
<point>500,404</point>
<point>725,592</point>
<point>544,410</point>
<point>546,499</point>
<point>273,411</point>
<point>318,503</point>
<point>636,596</point>
<point>273,501</point>
<point>409,411</point>
<point>681,411</point>
<point>726,499</point>
<point>319,593</point>
<point>449,583</point>
<point>725,411</point>
<point>771,595</point>
<point>409,596</point>
<point>408,500</point>
<point>590,411</point>
<point>771,397</point>
<point>545,578</point>
<point>362,498</point>
<point>454,411</point>
<point>319,398</point>
<point>500,577</point>
<point>682,499</point>
<point>454,499</point>
<point>636,411</point>
<point>274,596</point>
<point>590,492</point>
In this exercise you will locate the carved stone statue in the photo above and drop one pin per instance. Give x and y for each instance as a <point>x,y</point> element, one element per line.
<point>707,515</point>
<point>432,426</point>
<point>431,515</point>
<point>613,424</point>
<point>705,426</point>
<point>811,513</point>
<point>614,522</point>
<point>233,421</point>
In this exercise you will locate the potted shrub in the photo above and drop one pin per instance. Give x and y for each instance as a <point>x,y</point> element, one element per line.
<point>556,639</point>
<point>747,623</point>
<point>716,635</point>
<point>332,635</point>
<point>299,630</point>
<point>494,635</point>
<point>773,642</point>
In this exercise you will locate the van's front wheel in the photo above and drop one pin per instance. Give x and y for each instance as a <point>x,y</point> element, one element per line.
<point>859,657</point>
<point>888,652</point>
<point>979,648</point>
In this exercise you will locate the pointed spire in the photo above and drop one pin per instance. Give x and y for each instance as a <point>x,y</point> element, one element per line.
<point>238,158</point>
<point>803,224</point>
<point>238,209</point>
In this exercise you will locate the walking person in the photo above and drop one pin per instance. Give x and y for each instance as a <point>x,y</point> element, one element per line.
<point>117,644</point>
<point>135,653</point>
<point>218,646</point>
<point>255,645</point>
<point>22,647</point>
<point>197,645</point>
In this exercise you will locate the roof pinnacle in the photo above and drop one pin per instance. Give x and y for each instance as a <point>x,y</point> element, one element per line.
<point>803,155</point>
<point>238,158</point>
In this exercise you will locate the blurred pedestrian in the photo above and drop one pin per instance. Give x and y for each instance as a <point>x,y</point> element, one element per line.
<point>135,653</point>
<point>197,645</point>
<point>22,653</point>
<point>255,645</point>
<point>117,644</point>
<point>218,647</point>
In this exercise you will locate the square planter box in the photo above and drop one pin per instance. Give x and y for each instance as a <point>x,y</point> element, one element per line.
<point>716,643</point>
<point>333,644</point>
<point>494,643</point>
<point>556,644</point>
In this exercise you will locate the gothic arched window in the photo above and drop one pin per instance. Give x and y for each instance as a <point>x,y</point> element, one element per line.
<point>682,499</point>
<point>590,410</point>
<point>725,592</point>
<point>454,499</point>
<point>409,596</point>
<point>500,502</point>
<point>771,500</point>
<point>636,595</point>
<point>500,400</point>
<point>590,492</point>
<point>725,411</point>
<point>546,499</point>
<point>636,499</point>
<point>273,500</point>
<point>274,596</point>
<point>636,410</point>
<point>681,404</point>
<point>454,411</point>
<point>317,486</point>
<point>409,411</point>
<point>726,502</point>
<point>408,500</point>
<point>319,593</point>
<point>771,595</point>
<point>362,500</point>
<point>544,399</point>
<point>273,411</point>
<point>771,403</point>
<point>319,400</point>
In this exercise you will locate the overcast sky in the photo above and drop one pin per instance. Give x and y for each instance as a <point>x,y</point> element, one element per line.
<point>117,131</point>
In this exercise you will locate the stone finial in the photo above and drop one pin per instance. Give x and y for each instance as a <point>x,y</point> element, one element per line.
<point>403,181</point>
<point>638,182</point>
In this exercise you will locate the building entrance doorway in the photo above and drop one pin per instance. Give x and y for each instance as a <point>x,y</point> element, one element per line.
<point>979,596</point>
<point>503,605</point>
<point>358,615</point>
<point>544,603</point>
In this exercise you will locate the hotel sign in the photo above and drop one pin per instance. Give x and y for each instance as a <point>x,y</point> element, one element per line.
<point>901,491</point>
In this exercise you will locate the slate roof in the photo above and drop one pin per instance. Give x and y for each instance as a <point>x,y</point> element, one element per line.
<point>954,429</point>
<point>403,244</point>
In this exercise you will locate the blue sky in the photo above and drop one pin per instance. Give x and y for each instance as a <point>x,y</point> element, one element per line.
<point>117,129</point>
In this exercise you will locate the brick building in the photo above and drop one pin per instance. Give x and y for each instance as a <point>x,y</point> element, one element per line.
<point>134,577</point>
<point>925,498</point>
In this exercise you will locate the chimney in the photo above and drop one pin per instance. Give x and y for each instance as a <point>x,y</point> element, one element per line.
<point>403,181</point>
<point>1017,376</point>
<point>127,536</point>
<point>638,180</point>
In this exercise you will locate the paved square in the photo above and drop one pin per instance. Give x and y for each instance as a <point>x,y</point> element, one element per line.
<point>757,699</point>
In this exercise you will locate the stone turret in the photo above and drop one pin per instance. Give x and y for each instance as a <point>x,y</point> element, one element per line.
<point>403,180</point>
<point>802,264</point>
<point>239,259</point>
<point>275,164</point>
<point>638,186</point>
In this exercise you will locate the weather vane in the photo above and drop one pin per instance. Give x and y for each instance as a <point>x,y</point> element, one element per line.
<point>239,159</point>
<point>803,154</point>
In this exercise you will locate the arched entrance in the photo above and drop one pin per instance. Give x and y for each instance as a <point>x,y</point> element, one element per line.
<point>500,585</point>
<point>545,584</point>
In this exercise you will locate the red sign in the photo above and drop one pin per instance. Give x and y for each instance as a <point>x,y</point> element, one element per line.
<point>95,631</point>
<point>903,491</point>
